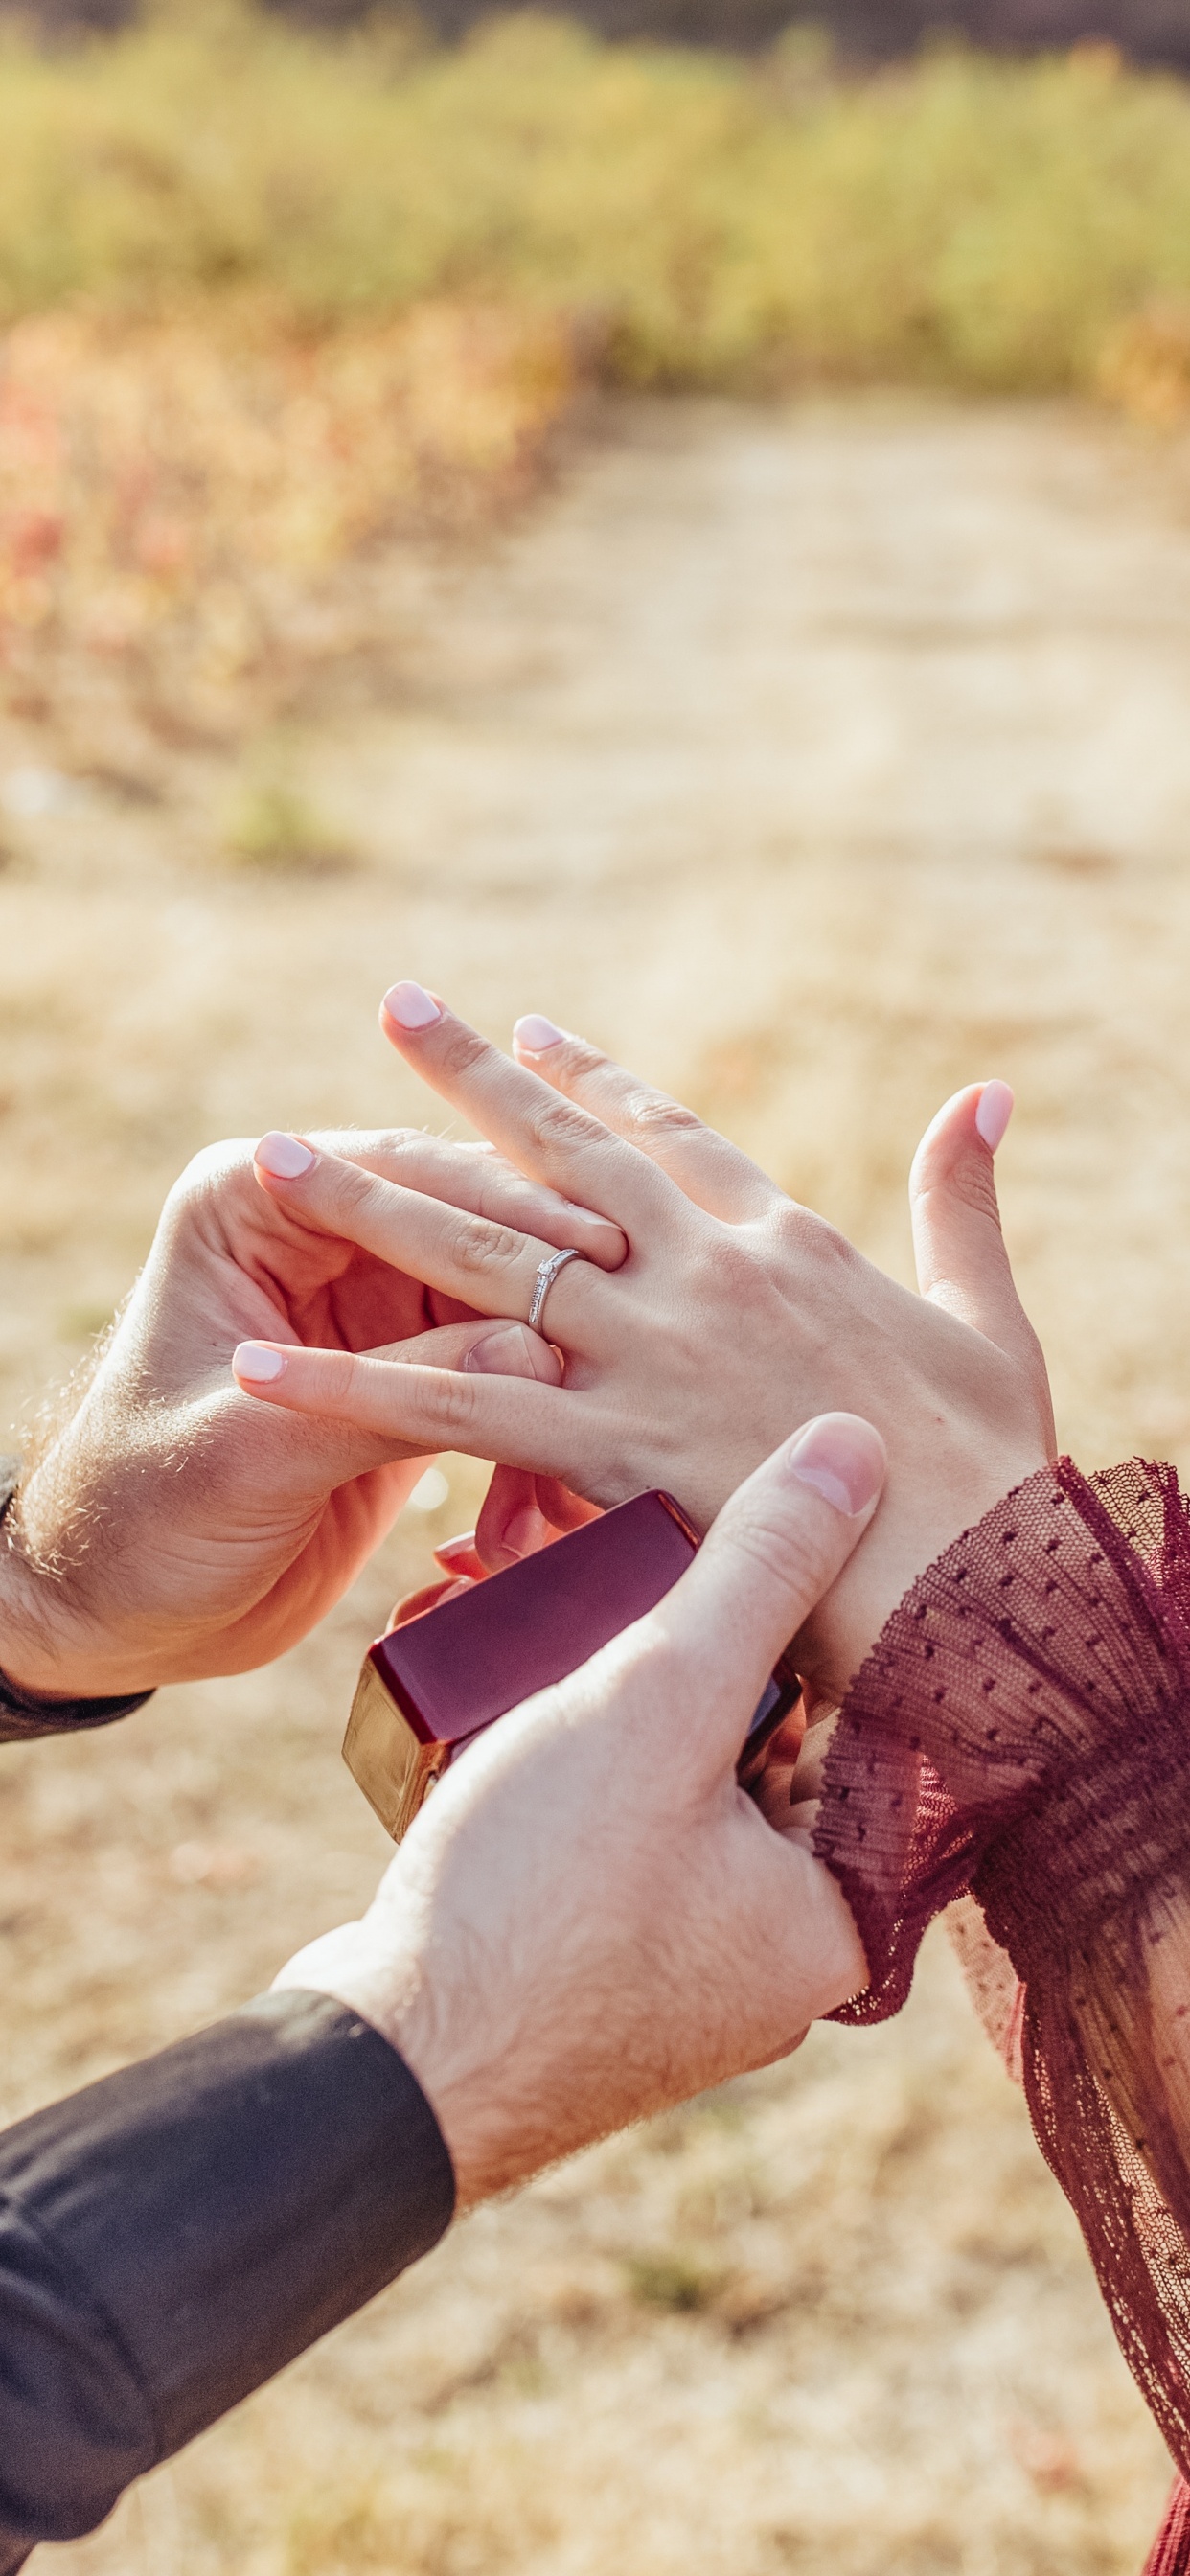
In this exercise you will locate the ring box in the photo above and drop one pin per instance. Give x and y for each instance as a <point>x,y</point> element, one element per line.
<point>430,1686</point>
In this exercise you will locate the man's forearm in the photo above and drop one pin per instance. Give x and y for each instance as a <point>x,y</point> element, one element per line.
<point>173,2236</point>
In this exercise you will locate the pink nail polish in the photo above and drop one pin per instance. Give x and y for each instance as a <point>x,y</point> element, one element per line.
<point>411,1006</point>
<point>841,1458</point>
<point>284,1156</point>
<point>256,1362</point>
<point>993,1113</point>
<point>456,1554</point>
<point>535,1034</point>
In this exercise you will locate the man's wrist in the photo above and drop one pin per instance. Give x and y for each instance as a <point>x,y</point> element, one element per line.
<point>49,1660</point>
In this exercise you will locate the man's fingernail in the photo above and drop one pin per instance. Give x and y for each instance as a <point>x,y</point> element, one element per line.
<point>993,1113</point>
<point>411,1006</point>
<point>284,1156</point>
<point>841,1457</point>
<point>508,1353</point>
<point>526,1532</point>
<point>535,1034</point>
<point>255,1360</point>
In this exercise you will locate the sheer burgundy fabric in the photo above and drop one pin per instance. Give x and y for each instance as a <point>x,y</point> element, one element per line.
<point>1021,1731</point>
<point>1170,2553</point>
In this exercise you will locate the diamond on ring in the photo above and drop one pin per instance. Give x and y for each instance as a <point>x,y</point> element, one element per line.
<point>545,1280</point>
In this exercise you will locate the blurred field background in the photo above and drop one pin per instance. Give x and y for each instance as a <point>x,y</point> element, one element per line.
<point>700,547</point>
<point>269,303</point>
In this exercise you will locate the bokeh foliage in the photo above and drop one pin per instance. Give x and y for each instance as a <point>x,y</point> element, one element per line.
<point>965,219</point>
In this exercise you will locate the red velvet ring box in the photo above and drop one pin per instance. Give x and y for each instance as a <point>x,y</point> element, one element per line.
<point>430,1686</point>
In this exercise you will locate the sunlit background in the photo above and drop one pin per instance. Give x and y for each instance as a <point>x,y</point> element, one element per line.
<point>696,542</point>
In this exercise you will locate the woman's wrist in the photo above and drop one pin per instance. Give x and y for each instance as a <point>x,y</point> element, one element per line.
<point>927,1505</point>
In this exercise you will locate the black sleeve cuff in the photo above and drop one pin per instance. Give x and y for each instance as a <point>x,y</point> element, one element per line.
<point>171,2237</point>
<point>23,1719</point>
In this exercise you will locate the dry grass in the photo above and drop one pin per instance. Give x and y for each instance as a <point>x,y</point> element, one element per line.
<point>816,762</point>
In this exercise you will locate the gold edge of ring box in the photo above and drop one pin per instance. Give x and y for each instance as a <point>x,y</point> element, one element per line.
<point>384,1757</point>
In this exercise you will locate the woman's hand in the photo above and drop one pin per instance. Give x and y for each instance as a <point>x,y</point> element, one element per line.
<point>589,1920</point>
<point>735,1314</point>
<point>159,1536</point>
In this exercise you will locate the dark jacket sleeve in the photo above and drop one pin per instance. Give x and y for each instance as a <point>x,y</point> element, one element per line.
<point>172,2236</point>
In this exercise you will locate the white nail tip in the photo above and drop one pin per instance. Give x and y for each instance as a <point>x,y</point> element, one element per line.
<point>993,1113</point>
<point>253,1360</point>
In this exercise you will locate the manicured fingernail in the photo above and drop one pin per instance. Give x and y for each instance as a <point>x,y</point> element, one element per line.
<point>535,1034</point>
<point>841,1458</point>
<point>411,1006</point>
<point>526,1532</point>
<point>257,1362</point>
<point>993,1113</point>
<point>508,1353</point>
<point>284,1156</point>
<point>456,1551</point>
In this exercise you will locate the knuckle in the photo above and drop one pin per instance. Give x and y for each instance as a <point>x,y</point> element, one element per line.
<point>791,1553</point>
<point>653,1114</point>
<point>214,1165</point>
<point>350,1188</point>
<point>453,1401</point>
<point>342,1377</point>
<point>368,1146</point>
<point>460,1049</point>
<point>819,1246</point>
<point>580,1057</point>
<point>973,1184</point>
<point>555,1125</point>
<point>940,1179</point>
<point>726,1270</point>
<point>480,1245</point>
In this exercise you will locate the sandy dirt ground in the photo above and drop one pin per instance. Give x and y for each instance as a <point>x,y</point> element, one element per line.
<point>815,761</point>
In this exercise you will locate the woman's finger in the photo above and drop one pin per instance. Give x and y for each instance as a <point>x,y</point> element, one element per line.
<point>707,1169</point>
<point>490,1267</point>
<point>511,1523</point>
<point>476,1177</point>
<point>547,1138</point>
<point>521,1513</point>
<point>962,1262</point>
<point>492,1401</point>
<point>336,1449</point>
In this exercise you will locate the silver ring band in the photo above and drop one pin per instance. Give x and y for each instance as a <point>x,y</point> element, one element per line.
<point>545,1280</point>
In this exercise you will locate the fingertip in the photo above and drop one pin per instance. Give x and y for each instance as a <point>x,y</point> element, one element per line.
<point>535,1035</point>
<point>283,1157</point>
<point>993,1112</point>
<point>257,1364</point>
<point>408,1008</point>
<point>840,1457</point>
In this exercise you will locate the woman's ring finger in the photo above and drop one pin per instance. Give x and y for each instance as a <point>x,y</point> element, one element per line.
<point>547,1273</point>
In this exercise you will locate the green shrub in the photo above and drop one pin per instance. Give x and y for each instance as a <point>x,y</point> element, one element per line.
<point>966,220</point>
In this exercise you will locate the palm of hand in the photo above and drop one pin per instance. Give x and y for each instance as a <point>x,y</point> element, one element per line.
<point>259,1543</point>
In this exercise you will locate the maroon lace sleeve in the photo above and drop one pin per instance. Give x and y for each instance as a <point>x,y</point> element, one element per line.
<point>1022,1731</point>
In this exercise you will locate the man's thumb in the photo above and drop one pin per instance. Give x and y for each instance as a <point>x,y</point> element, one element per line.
<point>774,1550</point>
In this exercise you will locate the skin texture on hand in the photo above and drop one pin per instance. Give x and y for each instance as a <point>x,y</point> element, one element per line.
<point>590,1920</point>
<point>736,1314</point>
<point>161,1536</point>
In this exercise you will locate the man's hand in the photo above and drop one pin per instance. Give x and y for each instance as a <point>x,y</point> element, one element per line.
<point>590,1920</point>
<point>174,1528</point>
